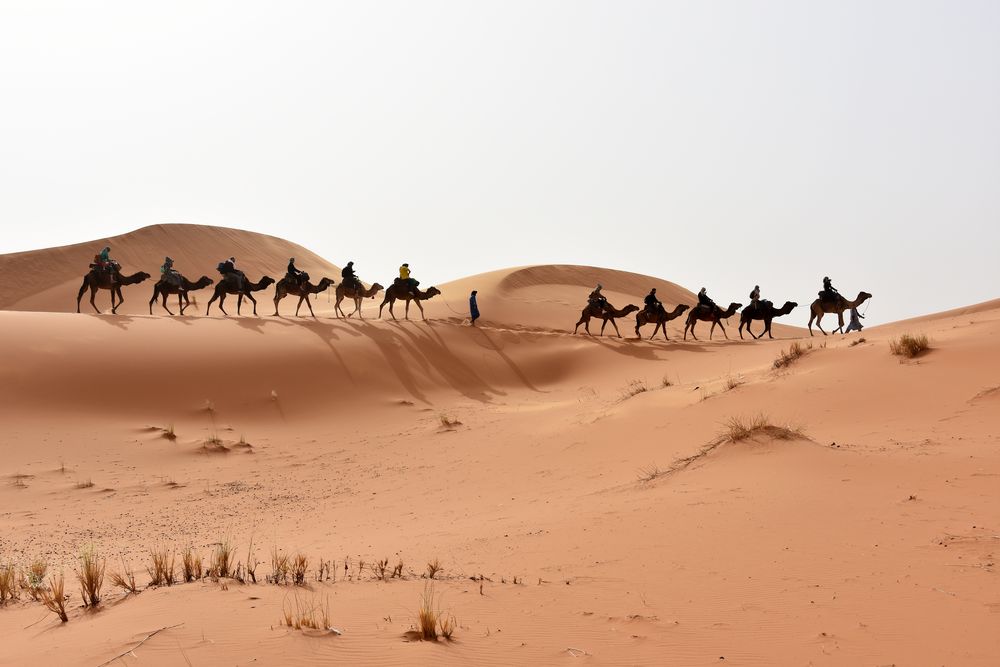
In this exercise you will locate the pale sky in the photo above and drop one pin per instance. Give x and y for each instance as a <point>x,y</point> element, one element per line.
<point>716,144</point>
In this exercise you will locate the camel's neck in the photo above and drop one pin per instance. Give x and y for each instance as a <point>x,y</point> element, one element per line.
<point>858,301</point>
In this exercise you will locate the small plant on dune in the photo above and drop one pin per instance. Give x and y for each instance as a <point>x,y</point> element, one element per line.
<point>427,614</point>
<point>448,422</point>
<point>33,577</point>
<point>379,568</point>
<point>299,566</point>
<point>633,388</point>
<point>161,567</point>
<point>666,382</point>
<point>447,625</point>
<point>91,576</point>
<point>18,481</point>
<point>86,484</point>
<point>649,473</point>
<point>731,382</point>
<point>280,567</point>
<point>909,346</point>
<point>169,433</point>
<point>794,352</point>
<point>308,615</point>
<point>743,428</point>
<point>54,597</point>
<point>433,568</point>
<point>191,565</point>
<point>222,559</point>
<point>859,341</point>
<point>125,579</point>
<point>8,583</point>
<point>397,571</point>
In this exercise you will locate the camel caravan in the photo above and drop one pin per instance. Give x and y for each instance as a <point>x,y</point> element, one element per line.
<point>830,301</point>
<point>106,274</point>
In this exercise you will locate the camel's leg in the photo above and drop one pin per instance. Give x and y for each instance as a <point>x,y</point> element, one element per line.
<point>692,329</point>
<point>180,303</point>
<point>742,323</point>
<point>663,325</point>
<point>614,324</point>
<point>276,300</point>
<point>121,299</point>
<point>406,312</point>
<point>421,307</point>
<point>156,293</point>
<point>336,306</point>
<point>79,295</point>
<point>309,303</point>
<point>385,300</point>
<point>222,304</point>
<point>840,319</point>
<point>604,323</point>
<point>819,325</point>
<point>583,318</point>
<point>719,322</point>
<point>93,292</point>
<point>298,306</point>
<point>767,326</point>
<point>253,301</point>
<point>391,304</point>
<point>357,308</point>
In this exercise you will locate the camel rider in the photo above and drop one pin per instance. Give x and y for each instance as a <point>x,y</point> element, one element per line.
<point>704,299</point>
<point>227,266</point>
<point>829,292</point>
<point>597,299</point>
<point>652,303</point>
<point>292,273</point>
<point>105,263</point>
<point>167,267</point>
<point>404,276</point>
<point>755,295</point>
<point>348,278</point>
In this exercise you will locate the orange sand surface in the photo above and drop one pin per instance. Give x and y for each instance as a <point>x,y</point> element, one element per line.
<point>593,471</point>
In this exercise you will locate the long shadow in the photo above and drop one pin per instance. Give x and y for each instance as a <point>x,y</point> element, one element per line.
<point>389,345</point>
<point>457,373</point>
<point>120,321</point>
<point>515,369</point>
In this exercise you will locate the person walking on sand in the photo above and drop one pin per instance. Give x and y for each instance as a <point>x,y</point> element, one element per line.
<point>855,323</point>
<point>473,308</point>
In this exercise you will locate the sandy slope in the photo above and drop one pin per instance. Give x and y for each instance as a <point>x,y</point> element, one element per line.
<point>870,539</point>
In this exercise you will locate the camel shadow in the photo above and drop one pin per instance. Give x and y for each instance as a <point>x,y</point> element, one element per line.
<point>390,344</point>
<point>456,373</point>
<point>120,321</point>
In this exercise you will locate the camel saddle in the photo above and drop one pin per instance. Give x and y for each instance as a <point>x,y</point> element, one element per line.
<point>172,277</point>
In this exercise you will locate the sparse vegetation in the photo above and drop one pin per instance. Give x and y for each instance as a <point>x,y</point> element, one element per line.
<point>447,625</point>
<point>433,567</point>
<point>299,566</point>
<point>448,422</point>
<point>743,428</point>
<point>88,483</point>
<point>427,614</point>
<point>794,352</point>
<point>91,576</point>
<point>191,565</point>
<point>161,567</point>
<point>8,583</point>
<point>730,382</point>
<point>125,579</point>
<point>649,473</point>
<point>311,615</point>
<point>858,341</point>
<point>33,577</point>
<point>633,388</point>
<point>168,432</point>
<point>379,568</point>
<point>397,572</point>
<point>222,559</point>
<point>909,346</point>
<point>54,597</point>
<point>666,382</point>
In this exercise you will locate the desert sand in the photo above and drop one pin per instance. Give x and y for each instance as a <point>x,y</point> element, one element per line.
<point>579,492</point>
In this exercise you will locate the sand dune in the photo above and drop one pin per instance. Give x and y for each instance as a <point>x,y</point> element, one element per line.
<point>594,470</point>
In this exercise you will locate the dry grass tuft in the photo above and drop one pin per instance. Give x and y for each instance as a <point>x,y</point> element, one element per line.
<point>433,568</point>
<point>54,597</point>
<point>859,341</point>
<point>280,567</point>
<point>379,568</point>
<point>633,388</point>
<point>222,559</point>
<point>85,485</point>
<point>909,346</point>
<point>8,583</point>
<point>427,614</point>
<point>649,473</point>
<point>33,577</point>
<point>161,567</point>
<point>397,571</point>
<point>299,567</point>
<point>743,428</point>
<point>191,565</point>
<point>666,382</point>
<point>311,615</point>
<point>448,422</point>
<point>124,580</point>
<point>794,352</point>
<point>91,576</point>
<point>447,625</point>
<point>169,433</point>
<point>731,382</point>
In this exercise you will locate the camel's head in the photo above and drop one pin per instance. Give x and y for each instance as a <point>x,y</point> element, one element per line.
<point>326,282</point>
<point>682,307</point>
<point>142,275</point>
<point>266,281</point>
<point>204,281</point>
<point>631,308</point>
<point>376,288</point>
<point>864,296</point>
<point>733,307</point>
<point>432,291</point>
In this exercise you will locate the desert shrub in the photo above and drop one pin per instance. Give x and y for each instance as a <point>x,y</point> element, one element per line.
<point>743,428</point>
<point>280,567</point>
<point>448,422</point>
<point>633,388</point>
<point>433,568</point>
<point>909,346</point>
<point>91,576</point>
<point>33,577</point>
<point>447,625</point>
<point>54,597</point>
<point>649,473</point>
<point>8,583</point>
<point>787,357</point>
<point>222,559</point>
<point>427,614</point>
<point>161,567</point>
<point>299,566</point>
<point>731,382</point>
<point>124,580</point>
<point>379,568</point>
<point>859,341</point>
<point>191,565</point>
<point>311,615</point>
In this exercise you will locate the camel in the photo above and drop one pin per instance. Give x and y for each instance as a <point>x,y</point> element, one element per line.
<point>301,290</point>
<point>357,292</point>
<point>714,315</point>
<point>397,291</point>
<point>97,279</point>
<point>819,307</point>
<point>165,287</point>
<point>766,311</point>
<point>233,283</point>
<point>608,313</point>
<point>660,318</point>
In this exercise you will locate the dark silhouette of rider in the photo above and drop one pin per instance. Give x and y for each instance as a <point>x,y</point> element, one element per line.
<point>830,292</point>
<point>293,273</point>
<point>652,303</point>
<point>348,277</point>
<point>704,299</point>
<point>597,299</point>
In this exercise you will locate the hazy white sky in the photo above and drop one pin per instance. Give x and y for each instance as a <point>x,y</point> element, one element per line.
<point>716,144</point>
